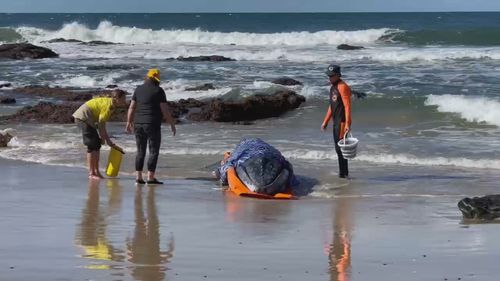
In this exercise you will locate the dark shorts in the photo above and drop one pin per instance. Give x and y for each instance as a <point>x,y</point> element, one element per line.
<point>90,137</point>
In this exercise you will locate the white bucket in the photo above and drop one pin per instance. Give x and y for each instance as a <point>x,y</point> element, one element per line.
<point>348,146</point>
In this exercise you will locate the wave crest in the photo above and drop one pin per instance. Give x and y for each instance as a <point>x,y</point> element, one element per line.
<point>106,31</point>
<point>473,109</point>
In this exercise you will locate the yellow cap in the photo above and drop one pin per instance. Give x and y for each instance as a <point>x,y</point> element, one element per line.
<point>154,73</point>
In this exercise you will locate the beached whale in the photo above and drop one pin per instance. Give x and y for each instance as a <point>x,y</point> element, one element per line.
<point>481,208</point>
<point>259,166</point>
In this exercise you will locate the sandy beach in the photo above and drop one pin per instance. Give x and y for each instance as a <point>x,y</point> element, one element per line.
<point>58,226</point>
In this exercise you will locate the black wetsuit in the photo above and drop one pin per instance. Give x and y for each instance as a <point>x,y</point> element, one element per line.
<point>147,122</point>
<point>338,114</point>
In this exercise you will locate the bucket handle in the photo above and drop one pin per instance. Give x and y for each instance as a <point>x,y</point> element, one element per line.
<point>345,135</point>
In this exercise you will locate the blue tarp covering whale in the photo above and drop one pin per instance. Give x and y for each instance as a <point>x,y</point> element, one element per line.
<point>260,166</point>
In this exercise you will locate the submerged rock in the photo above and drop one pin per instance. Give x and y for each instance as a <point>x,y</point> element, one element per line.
<point>204,87</point>
<point>98,42</point>
<point>5,85</point>
<point>62,40</point>
<point>347,47</point>
<point>213,58</point>
<point>252,108</point>
<point>112,67</point>
<point>25,51</point>
<point>7,100</point>
<point>358,94</point>
<point>286,81</point>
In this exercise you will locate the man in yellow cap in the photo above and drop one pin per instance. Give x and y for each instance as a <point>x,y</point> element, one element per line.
<point>146,112</point>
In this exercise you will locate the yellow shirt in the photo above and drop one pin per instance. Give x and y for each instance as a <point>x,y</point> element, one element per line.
<point>95,112</point>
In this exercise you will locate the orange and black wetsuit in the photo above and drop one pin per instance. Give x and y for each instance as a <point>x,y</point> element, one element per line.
<point>340,111</point>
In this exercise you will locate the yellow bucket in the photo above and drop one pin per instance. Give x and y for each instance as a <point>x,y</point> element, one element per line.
<point>114,162</point>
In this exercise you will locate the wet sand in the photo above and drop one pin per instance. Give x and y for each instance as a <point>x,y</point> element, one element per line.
<point>58,226</point>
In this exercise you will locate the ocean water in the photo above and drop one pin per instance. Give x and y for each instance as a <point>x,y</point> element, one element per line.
<point>432,79</point>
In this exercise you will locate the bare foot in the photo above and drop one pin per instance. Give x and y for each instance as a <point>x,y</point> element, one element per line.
<point>94,177</point>
<point>99,175</point>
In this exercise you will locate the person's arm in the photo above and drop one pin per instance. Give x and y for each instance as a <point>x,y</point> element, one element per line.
<point>327,119</point>
<point>165,111</point>
<point>101,126</point>
<point>103,133</point>
<point>345,94</point>
<point>167,115</point>
<point>130,116</point>
<point>104,115</point>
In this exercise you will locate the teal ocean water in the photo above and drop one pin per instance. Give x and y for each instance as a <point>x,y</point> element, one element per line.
<point>432,79</point>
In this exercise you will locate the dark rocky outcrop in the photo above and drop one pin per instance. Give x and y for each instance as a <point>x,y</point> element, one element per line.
<point>5,139</point>
<point>7,100</point>
<point>184,106</point>
<point>286,81</point>
<point>213,58</point>
<point>63,40</point>
<point>111,86</point>
<point>347,47</point>
<point>44,112</point>
<point>66,94</point>
<point>480,208</point>
<point>204,87</point>
<point>112,67</point>
<point>98,42</point>
<point>252,108</point>
<point>25,51</point>
<point>190,103</point>
<point>5,85</point>
<point>51,113</point>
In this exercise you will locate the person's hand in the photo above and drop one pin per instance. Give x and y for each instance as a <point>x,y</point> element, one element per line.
<point>103,141</point>
<point>347,129</point>
<point>118,148</point>
<point>129,128</point>
<point>174,130</point>
<point>323,127</point>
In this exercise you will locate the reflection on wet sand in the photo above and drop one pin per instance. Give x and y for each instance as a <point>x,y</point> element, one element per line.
<point>246,210</point>
<point>339,252</point>
<point>144,250</point>
<point>91,235</point>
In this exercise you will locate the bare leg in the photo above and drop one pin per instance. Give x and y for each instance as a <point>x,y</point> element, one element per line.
<point>90,163</point>
<point>151,175</point>
<point>96,164</point>
<point>93,160</point>
<point>138,175</point>
<point>92,167</point>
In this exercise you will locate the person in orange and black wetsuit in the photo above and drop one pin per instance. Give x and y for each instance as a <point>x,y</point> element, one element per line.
<point>340,111</point>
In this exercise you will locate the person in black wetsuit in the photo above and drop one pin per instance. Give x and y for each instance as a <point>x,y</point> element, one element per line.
<point>340,112</point>
<point>146,112</point>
